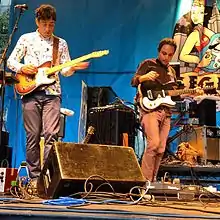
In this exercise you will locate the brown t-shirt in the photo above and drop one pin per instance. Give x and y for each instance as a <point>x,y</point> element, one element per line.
<point>166,74</point>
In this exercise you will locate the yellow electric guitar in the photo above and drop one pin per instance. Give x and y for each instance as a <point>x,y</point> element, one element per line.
<point>28,83</point>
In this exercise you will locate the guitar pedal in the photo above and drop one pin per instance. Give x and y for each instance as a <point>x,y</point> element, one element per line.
<point>7,175</point>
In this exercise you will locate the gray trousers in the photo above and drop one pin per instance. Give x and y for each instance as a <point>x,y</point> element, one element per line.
<point>41,114</point>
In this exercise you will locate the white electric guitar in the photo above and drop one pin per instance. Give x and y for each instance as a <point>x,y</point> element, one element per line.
<point>150,100</point>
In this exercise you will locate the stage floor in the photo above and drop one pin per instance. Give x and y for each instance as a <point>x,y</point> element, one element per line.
<point>34,209</point>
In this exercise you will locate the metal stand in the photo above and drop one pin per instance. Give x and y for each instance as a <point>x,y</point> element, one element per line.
<point>3,61</point>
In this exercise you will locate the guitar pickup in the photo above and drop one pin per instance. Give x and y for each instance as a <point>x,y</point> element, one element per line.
<point>163,93</point>
<point>150,94</point>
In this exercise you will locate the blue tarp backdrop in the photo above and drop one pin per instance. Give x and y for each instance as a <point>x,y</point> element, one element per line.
<point>130,29</point>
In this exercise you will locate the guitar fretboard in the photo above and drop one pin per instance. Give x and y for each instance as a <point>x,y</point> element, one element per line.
<point>68,64</point>
<point>181,91</point>
<point>77,60</point>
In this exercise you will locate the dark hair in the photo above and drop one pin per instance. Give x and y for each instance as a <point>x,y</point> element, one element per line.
<point>45,12</point>
<point>168,41</point>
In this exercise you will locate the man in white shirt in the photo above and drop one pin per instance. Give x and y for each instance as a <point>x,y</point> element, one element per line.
<point>41,107</point>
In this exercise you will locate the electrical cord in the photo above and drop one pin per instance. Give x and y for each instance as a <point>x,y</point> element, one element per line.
<point>121,213</point>
<point>97,197</point>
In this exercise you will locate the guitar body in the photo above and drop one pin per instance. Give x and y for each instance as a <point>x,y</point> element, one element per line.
<point>148,105</point>
<point>153,94</point>
<point>28,83</point>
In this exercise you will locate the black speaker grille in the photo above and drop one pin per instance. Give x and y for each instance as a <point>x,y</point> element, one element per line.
<point>110,124</point>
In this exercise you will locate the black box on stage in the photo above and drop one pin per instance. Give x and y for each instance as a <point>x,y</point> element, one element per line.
<point>70,165</point>
<point>111,123</point>
<point>6,156</point>
<point>204,111</point>
<point>61,133</point>
<point>5,138</point>
<point>100,96</point>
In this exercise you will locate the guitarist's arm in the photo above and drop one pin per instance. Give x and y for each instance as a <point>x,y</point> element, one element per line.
<point>19,51</point>
<point>143,74</point>
<point>69,71</point>
<point>65,57</point>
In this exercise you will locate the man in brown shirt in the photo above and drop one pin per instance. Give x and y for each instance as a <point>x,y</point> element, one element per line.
<point>155,123</point>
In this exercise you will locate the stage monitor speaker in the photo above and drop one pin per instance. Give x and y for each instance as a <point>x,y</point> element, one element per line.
<point>69,165</point>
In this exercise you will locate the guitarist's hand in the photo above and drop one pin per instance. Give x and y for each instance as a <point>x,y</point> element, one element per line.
<point>152,75</point>
<point>199,91</point>
<point>80,66</point>
<point>29,69</point>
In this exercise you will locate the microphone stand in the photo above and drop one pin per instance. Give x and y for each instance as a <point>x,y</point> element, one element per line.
<point>4,62</point>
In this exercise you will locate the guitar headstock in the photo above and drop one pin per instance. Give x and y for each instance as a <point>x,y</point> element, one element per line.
<point>91,130</point>
<point>99,53</point>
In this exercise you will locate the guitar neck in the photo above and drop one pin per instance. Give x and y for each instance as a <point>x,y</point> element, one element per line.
<point>68,64</point>
<point>86,139</point>
<point>180,92</point>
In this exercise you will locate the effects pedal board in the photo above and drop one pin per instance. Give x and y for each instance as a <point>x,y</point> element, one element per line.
<point>163,187</point>
<point>7,175</point>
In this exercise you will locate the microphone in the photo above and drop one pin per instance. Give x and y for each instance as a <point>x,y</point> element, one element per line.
<point>23,6</point>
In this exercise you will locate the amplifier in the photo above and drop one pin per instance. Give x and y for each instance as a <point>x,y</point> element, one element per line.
<point>113,124</point>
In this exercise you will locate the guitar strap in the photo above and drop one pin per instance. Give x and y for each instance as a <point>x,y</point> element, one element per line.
<point>55,50</point>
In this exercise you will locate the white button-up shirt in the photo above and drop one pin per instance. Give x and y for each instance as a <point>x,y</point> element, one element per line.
<point>36,50</point>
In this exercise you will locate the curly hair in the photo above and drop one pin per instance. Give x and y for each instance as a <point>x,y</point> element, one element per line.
<point>45,12</point>
<point>168,41</point>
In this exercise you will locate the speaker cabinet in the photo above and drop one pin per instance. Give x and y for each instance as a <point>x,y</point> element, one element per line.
<point>69,165</point>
